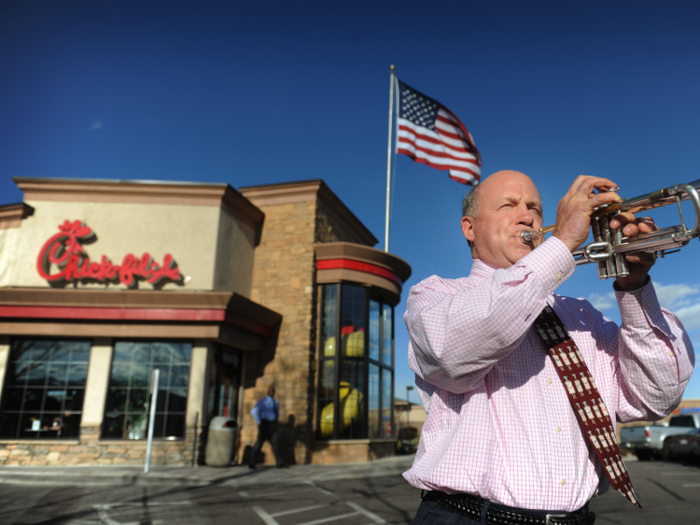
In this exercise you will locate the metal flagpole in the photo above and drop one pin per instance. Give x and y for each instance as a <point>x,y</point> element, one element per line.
<point>388,162</point>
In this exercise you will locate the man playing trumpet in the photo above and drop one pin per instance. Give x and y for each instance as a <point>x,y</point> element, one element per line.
<point>522,386</point>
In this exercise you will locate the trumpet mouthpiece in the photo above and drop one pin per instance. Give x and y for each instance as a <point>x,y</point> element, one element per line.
<point>528,236</point>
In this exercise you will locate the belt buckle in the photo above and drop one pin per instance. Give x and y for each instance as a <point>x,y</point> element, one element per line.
<point>548,517</point>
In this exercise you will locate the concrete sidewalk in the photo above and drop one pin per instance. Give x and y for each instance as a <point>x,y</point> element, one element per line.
<point>234,476</point>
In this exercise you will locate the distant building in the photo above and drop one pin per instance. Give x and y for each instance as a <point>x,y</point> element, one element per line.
<point>224,291</point>
<point>413,419</point>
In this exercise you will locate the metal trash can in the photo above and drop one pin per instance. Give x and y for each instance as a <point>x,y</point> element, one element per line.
<point>220,441</point>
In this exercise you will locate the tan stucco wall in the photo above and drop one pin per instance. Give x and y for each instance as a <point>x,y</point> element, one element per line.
<point>190,233</point>
<point>9,239</point>
<point>234,256</point>
<point>97,381</point>
<point>198,382</point>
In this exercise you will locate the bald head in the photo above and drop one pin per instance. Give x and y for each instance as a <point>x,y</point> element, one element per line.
<point>498,180</point>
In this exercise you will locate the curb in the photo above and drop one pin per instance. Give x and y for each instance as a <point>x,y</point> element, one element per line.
<point>104,481</point>
<point>236,476</point>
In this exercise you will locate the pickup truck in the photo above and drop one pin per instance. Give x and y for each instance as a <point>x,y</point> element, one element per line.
<point>647,442</point>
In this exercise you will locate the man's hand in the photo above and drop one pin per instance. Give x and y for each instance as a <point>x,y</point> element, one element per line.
<point>575,209</point>
<point>639,263</point>
<point>574,221</point>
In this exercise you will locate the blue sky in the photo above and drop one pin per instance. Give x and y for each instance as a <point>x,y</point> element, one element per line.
<point>265,92</point>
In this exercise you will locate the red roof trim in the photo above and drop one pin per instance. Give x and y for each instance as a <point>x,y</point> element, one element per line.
<point>349,264</point>
<point>133,314</point>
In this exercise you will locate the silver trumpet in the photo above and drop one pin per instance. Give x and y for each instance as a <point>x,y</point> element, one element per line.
<point>609,246</point>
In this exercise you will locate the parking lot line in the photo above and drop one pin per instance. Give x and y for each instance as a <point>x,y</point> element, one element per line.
<point>105,519</point>
<point>293,511</point>
<point>365,512</point>
<point>331,518</point>
<point>320,489</point>
<point>269,518</point>
<point>246,494</point>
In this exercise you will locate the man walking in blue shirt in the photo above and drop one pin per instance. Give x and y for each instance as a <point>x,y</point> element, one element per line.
<point>266,414</point>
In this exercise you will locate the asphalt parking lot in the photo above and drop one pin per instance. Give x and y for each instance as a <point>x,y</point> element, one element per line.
<point>668,491</point>
<point>361,501</point>
<point>346,495</point>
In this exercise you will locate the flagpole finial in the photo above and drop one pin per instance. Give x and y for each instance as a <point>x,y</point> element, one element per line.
<point>392,67</point>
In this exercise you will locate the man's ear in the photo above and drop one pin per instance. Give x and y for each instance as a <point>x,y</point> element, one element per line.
<point>468,228</point>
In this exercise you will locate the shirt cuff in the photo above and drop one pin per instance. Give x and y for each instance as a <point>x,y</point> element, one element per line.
<point>552,262</point>
<point>640,307</point>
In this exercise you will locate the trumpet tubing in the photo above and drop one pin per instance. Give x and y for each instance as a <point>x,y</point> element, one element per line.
<point>609,246</point>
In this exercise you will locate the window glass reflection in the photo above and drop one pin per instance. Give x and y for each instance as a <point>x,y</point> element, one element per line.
<point>44,389</point>
<point>352,325</point>
<point>351,391</point>
<point>128,397</point>
<point>328,321</point>
<point>355,385</point>
<point>387,335</point>
<point>326,398</point>
<point>373,402</point>
<point>387,389</point>
<point>374,307</point>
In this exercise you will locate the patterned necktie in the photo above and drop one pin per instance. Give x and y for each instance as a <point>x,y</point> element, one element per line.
<point>592,414</point>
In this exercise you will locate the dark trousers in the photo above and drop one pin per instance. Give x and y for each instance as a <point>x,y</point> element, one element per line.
<point>432,513</point>
<point>267,431</point>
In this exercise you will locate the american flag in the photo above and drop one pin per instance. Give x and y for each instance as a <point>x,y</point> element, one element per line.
<point>430,133</point>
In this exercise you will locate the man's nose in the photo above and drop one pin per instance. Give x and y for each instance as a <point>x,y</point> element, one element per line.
<point>525,216</point>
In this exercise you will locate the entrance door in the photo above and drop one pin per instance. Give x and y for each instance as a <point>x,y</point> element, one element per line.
<point>225,383</point>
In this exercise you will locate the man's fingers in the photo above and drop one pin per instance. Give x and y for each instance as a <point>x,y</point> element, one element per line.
<point>599,199</point>
<point>642,258</point>
<point>646,225</point>
<point>631,225</point>
<point>586,184</point>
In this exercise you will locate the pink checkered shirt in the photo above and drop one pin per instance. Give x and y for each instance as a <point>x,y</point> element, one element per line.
<point>499,423</point>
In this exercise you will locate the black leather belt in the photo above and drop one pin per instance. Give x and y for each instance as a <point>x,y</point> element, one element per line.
<point>472,507</point>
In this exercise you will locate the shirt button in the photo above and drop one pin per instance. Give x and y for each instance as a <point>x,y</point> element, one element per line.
<point>549,381</point>
<point>558,429</point>
<point>648,305</point>
<point>671,354</point>
<point>558,276</point>
<point>563,482</point>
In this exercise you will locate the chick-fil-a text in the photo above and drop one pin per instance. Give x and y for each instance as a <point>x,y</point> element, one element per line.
<point>63,260</point>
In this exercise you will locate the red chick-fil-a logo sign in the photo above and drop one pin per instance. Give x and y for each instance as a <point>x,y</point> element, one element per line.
<point>63,260</point>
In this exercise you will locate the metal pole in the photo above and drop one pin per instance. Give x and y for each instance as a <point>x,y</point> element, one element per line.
<point>155,378</point>
<point>194,443</point>
<point>388,161</point>
<point>408,406</point>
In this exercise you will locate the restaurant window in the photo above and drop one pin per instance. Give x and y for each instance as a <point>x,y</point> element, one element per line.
<point>127,407</point>
<point>356,368</point>
<point>44,389</point>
